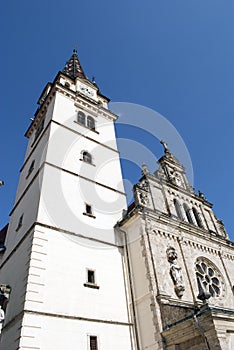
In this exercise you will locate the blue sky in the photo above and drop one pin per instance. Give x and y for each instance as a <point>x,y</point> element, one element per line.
<point>175,56</point>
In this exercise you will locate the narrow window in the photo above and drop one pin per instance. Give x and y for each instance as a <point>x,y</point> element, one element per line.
<point>91,280</point>
<point>178,209</point>
<point>188,215</point>
<point>20,222</point>
<point>91,276</point>
<point>197,217</point>
<point>87,158</point>
<point>90,123</point>
<point>93,344</point>
<point>81,118</point>
<point>88,209</point>
<point>31,168</point>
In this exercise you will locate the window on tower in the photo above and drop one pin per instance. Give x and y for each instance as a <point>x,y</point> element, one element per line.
<point>188,214</point>
<point>197,217</point>
<point>89,211</point>
<point>93,342</point>
<point>86,157</point>
<point>81,118</point>
<point>91,279</point>
<point>178,209</point>
<point>91,276</point>
<point>86,121</point>
<point>90,123</point>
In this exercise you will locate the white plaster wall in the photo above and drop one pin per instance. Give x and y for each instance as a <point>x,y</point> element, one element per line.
<point>66,260</point>
<point>63,198</point>
<point>66,110</point>
<point>65,149</point>
<point>60,333</point>
<point>28,207</point>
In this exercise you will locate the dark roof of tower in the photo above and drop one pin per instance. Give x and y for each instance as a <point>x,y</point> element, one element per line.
<point>73,67</point>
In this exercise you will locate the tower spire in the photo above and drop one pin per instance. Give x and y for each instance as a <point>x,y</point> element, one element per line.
<point>73,67</point>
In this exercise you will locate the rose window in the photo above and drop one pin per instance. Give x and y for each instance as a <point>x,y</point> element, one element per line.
<point>210,277</point>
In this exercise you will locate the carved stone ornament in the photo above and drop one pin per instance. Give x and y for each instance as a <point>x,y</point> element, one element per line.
<point>175,271</point>
<point>143,198</point>
<point>144,185</point>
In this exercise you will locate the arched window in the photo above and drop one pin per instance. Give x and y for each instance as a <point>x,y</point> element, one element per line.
<point>87,158</point>
<point>90,122</point>
<point>210,281</point>
<point>178,209</point>
<point>187,212</point>
<point>197,217</point>
<point>81,118</point>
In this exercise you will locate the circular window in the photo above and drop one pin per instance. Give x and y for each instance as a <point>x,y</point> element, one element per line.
<point>210,277</point>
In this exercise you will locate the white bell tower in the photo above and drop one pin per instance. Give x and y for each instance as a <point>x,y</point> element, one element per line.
<point>62,261</point>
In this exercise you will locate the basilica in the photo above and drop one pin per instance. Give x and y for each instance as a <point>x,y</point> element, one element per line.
<point>81,270</point>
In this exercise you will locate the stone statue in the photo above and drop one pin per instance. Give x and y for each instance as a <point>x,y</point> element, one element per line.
<point>166,149</point>
<point>201,195</point>
<point>144,170</point>
<point>175,271</point>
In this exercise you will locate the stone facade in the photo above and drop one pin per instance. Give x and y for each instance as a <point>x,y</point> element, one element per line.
<point>181,262</point>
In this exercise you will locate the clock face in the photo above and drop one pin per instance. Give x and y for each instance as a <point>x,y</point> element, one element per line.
<point>86,90</point>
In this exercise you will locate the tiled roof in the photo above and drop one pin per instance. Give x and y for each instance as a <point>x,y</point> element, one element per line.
<point>73,67</point>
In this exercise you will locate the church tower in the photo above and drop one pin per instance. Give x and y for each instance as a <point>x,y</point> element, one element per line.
<point>62,274</point>
<point>180,263</point>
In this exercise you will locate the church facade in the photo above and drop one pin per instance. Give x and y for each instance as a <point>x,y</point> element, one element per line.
<point>80,270</point>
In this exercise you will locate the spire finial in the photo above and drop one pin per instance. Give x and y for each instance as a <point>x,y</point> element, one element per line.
<point>75,49</point>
